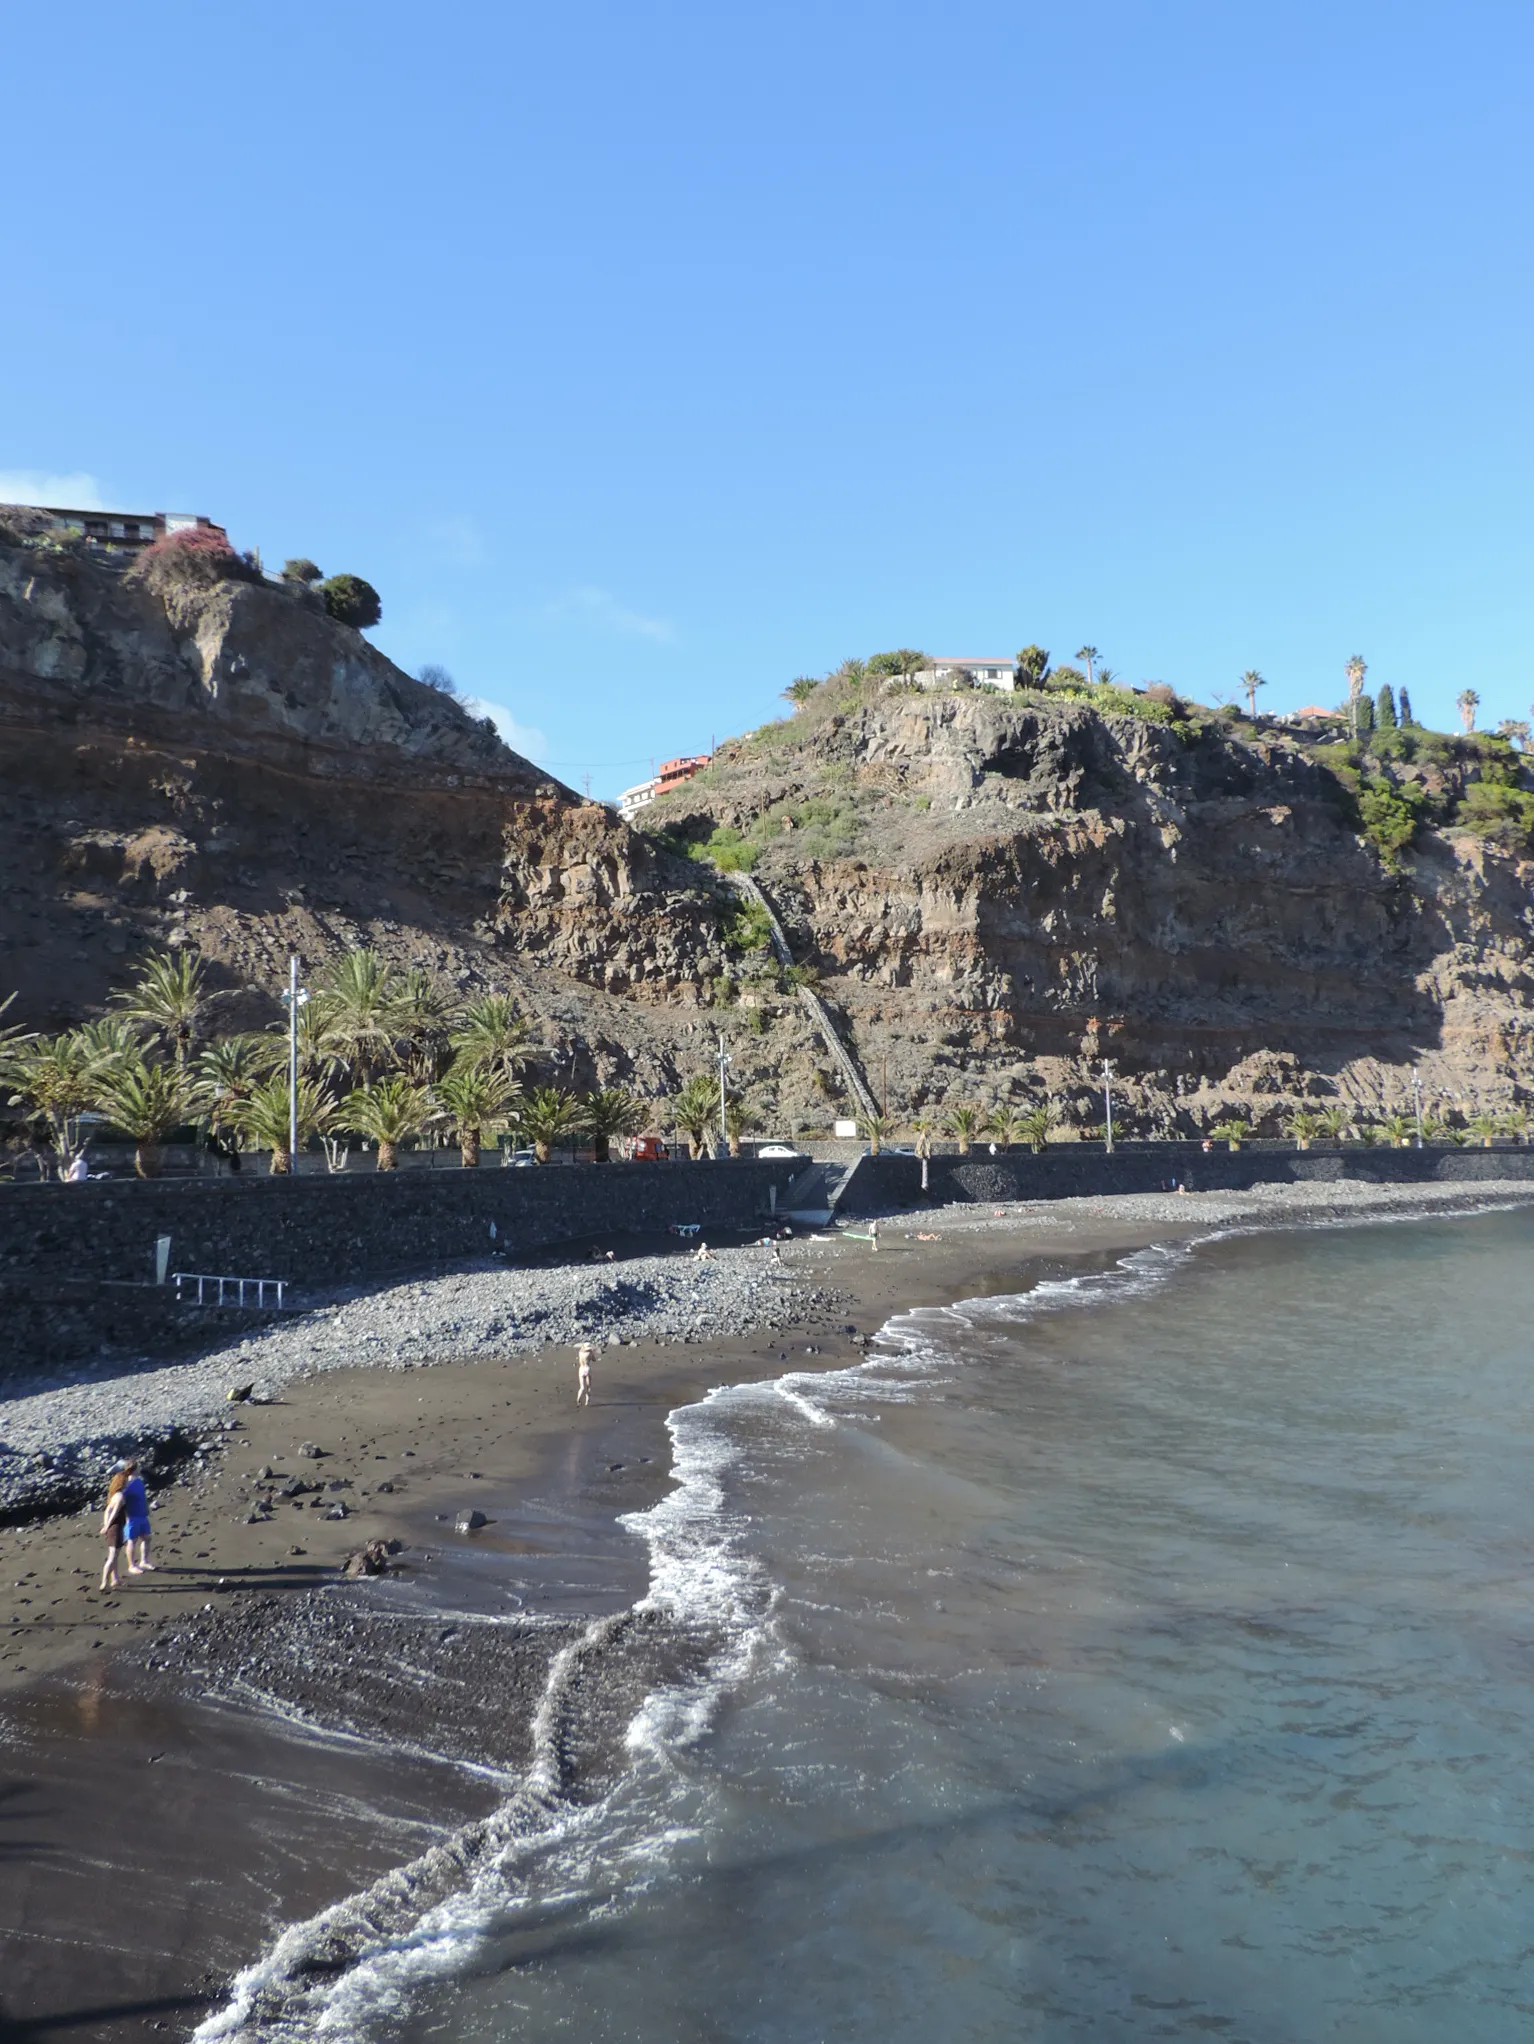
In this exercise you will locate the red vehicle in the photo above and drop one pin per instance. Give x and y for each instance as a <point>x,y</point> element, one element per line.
<point>648,1150</point>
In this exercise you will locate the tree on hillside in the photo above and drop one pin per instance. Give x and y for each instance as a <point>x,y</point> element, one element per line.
<point>1091,656</point>
<point>1355,670</point>
<point>437,677</point>
<point>1467,702</point>
<point>1251,681</point>
<point>1032,667</point>
<point>899,665</point>
<point>1515,729</point>
<point>351,601</point>
<point>300,570</point>
<point>1385,709</point>
<point>167,999</point>
<point>800,689</point>
<point>1406,715</point>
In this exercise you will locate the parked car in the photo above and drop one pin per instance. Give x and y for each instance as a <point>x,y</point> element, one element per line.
<point>648,1150</point>
<point>778,1150</point>
<point>517,1160</point>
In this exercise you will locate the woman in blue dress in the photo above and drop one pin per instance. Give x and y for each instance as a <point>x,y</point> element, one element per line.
<point>136,1530</point>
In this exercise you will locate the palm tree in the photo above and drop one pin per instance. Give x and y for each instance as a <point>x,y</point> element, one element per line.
<point>1397,1129</point>
<point>1035,1125</point>
<point>423,1015</point>
<point>1355,670</point>
<point>55,1079</point>
<point>355,1006</point>
<point>167,999</point>
<point>740,1120</point>
<point>493,1031</point>
<point>1467,702</point>
<point>228,1071</point>
<point>923,1128</point>
<point>1303,1128</point>
<point>874,1128</point>
<point>1484,1127</point>
<point>389,1112</point>
<point>262,1117</point>
<point>1091,656</point>
<point>695,1111</point>
<point>616,1112</point>
<point>1232,1130</point>
<point>964,1125</point>
<point>1335,1123</point>
<point>1251,681</point>
<point>145,1101</point>
<point>109,1039</point>
<point>476,1097</point>
<point>546,1116</point>
<point>1001,1123</point>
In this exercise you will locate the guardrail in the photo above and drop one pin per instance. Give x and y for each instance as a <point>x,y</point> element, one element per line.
<point>202,1280</point>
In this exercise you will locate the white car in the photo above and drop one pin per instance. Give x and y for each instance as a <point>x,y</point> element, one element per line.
<point>778,1150</point>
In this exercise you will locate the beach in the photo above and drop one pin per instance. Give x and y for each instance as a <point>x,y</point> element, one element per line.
<point>246,1736</point>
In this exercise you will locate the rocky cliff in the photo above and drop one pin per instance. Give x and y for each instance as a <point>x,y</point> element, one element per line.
<point>993,893</point>
<point>1001,891</point>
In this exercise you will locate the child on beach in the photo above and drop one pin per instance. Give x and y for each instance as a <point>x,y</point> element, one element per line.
<point>113,1521</point>
<point>136,1527</point>
<point>583,1374</point>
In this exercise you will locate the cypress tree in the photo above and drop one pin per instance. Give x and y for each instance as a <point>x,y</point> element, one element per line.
<point>1385,709</point>
<point>1406,715</point>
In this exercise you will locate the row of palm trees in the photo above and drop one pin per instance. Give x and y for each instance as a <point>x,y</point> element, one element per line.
<point>382,1055</point>
<point>1007,1125</point>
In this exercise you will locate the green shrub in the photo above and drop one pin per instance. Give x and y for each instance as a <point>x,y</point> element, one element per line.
<point>726,849</point>
<point>1492,809</point>
<point>300,570</point>
<point>351,601</point>
<point>1389,816</point>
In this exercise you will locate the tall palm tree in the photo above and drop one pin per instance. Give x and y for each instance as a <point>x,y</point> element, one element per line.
<point>874,1128</point>
<point>262,1117</point>
<point>612,1112</point>
<point>476,1097</point>
<point>695,1111</point>
<point>388,1112</point>
<point>547,1115</point>
<point>740,1119</point>
<point>355,1004</point>
<point>1355,670</point>
<point>1251,681</point>
<point>1091,656</point>
<point>146,1102</point>
<point>229,1071</point>
<point>493,1031</point>
<point>963,1125</point>
<point>423,1015</point>
<point>167,999</point>
<point>1467,702</point>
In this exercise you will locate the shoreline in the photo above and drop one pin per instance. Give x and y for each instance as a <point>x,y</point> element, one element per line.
<point>234,1612</point>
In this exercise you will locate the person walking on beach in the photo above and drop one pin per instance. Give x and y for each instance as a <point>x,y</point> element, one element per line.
<point>113,1521</point>
<point>136,1527</point>
<point>583,1374</point>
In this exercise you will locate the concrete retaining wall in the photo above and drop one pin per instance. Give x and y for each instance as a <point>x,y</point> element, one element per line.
<point>882,1183</point>
<point>73,1257</point>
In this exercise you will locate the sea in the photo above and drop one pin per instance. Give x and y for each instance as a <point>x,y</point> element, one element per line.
<point>1145,1654</point>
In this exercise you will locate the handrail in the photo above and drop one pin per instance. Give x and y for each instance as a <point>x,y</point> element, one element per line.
<point>811,1002</point>
<point>201,1279</point>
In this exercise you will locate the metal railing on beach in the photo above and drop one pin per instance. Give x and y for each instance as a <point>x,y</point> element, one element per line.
<point>224,1286</point>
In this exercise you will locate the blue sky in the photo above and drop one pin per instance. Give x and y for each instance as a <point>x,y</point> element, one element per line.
<point>645,356</point>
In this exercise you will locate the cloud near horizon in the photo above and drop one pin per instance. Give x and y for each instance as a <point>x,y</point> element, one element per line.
<point>599,607</point>
<point>74,492</point>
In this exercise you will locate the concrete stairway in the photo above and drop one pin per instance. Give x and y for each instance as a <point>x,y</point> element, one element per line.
<point>810,1001</point>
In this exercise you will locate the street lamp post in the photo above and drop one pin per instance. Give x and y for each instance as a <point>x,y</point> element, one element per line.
<point>1416,1089</point>
<point>1108,1105</point>
<point>724,1126</point>
<point>296,997</point>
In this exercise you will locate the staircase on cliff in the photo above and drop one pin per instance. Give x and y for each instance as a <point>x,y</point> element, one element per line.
<point>810,1001</point>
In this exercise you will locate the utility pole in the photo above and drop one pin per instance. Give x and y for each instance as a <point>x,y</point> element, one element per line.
<point>724,1128</point>
<point>1108,1104</point>
<point>295,997</point>
<point>1416,1088</point>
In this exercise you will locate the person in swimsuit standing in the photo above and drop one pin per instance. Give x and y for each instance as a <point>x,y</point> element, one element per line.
<point>113,1521</point>
<point>583,1374</point>
<point>136,1528</point>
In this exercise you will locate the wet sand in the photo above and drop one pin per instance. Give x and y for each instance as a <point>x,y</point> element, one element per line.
<point>156,1830</point>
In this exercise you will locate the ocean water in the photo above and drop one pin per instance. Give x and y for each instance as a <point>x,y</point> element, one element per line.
<point>1150,1656</point>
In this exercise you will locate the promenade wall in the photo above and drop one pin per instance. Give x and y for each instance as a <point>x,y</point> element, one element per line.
<point>889,1182</point>
<point>77,1261</point>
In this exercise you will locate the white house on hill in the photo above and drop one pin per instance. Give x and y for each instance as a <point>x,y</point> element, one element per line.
<point>985,670</point>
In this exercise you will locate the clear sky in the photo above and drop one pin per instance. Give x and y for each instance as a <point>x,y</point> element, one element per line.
<point>646,356</point>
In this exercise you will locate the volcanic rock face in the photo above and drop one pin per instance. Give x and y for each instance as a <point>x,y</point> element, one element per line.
<point>1024,887</point>
<point>219,763</point>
